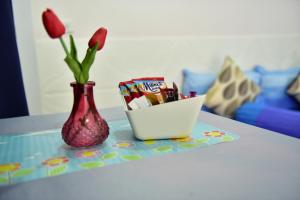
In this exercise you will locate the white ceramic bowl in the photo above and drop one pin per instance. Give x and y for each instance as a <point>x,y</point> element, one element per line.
<point>170,120</point>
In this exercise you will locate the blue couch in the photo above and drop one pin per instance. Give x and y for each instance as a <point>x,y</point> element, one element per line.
<point>269,117</point>
<point>273,109</point>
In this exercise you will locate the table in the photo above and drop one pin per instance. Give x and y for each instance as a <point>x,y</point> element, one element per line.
<point>260,165</point>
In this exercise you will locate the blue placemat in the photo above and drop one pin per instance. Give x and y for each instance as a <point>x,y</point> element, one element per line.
<point>29,156</point>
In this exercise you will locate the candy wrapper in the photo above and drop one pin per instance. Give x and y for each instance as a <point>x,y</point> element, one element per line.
<point>151,85</point>
<point>133,90</point>
<point>140,102</point>
<point>193,94</point>
<point>149,91</point>
<point>152,98</point>
<point>125,92</point>
<point>175,92</point>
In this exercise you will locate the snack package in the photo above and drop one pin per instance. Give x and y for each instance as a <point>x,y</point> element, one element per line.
<point>140,102</point>
<point>134,93</point>
<point>151,85</point>
<point>170,93</point>
<point>152,98</point>
<point>193,94</point>
<point>125,92</point>
<point>175,91</point>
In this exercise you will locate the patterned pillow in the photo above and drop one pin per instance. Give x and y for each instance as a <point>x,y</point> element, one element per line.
<point>294,88</point>
<point>230,90</point>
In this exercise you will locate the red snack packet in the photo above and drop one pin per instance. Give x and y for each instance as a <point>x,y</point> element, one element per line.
<point>125,92</point>
<point>134,92</point>
<point>193,94</point>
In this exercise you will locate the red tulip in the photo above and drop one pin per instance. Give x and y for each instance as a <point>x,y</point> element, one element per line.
<point>99,36</point>
<point>53,25</point>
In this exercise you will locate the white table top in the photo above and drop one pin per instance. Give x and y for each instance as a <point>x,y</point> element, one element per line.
<point>260,165</point>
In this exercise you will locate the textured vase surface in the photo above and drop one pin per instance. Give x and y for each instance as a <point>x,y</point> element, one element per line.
<point>84,127</point>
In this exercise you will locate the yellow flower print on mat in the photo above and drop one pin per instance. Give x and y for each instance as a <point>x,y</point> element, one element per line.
<point>9,167</point>
<point>56,161</point>
<point>149,142</point>
<point>214,134</point>
<point>13,171</point>
<point>186,139</point>
<point>87,154</point>
<point>56,166</point>
<point>123,144</point>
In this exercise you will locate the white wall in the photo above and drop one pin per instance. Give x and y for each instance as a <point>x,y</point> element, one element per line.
<point>164,18</point>
<point>160,37</point>
<point>26,48</point>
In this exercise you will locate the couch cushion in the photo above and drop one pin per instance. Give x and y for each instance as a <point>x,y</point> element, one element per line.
<point>198,82</point>
<point>269,117</point>
<point>294,88</point>
<point>231,89</point>
<point>201,82</point>
<point>274,85</point>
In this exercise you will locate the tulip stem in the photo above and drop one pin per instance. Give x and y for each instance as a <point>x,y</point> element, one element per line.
<point>64,45</point>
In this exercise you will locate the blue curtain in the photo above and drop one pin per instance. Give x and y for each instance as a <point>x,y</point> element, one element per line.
<point>12,95</point>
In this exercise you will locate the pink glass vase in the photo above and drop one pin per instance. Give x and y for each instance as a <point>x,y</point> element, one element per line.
<point>85,127</point>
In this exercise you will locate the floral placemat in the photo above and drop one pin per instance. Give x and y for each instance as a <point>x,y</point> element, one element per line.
<point>35,155</point>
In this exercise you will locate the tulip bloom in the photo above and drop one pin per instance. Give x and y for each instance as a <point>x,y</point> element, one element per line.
<point>99,36</point>
<point>56,29</point>
<point>53,25</point>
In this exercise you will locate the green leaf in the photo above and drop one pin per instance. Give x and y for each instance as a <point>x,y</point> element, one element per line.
<point>22,172</point>
<point>202,140</point>
<point>163,148</point>
<point>91,165</point>
<point>109,155</point>
<point>227,138</point>
<point>75,67</point>
<point>3,180</point>
<point>131,157</point>
<point>73,50</point>
<point>188,145</point>
<point>58,170</point>
<point>88,61</point>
